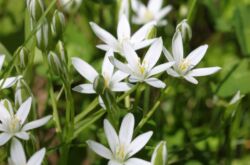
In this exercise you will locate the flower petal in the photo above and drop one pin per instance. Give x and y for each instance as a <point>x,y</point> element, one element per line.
<point>127,129</point>
<point>104,35</point>
<point>160,68</point>
<point>113,162</point>
<point>101,102</point>
<point>111,135</point>
<point>2,57</point>
<point>84,88</point>
<point>4,113</point>
<point>37,158</point>
<point>24,110</point>
<point>123,29</point>
<point>17,152</point>
<point>177,47</point>
<point>120,87</point>
<point>36,123</point>
<point>105,47</point>
<point>153,54</point>
<point>142,33</point>
<point>107,67</point>
<point>23,135</point>
<point>191,79</point>
<point>139,142</point>
<point>196,55</point>
<point>86,70</point>
<point>119,76</point>
<point>173,73</point>
<point>203,71</point>
<point>163,12</point>
<point>136,161</point>
<point>167,54</point>
<point>131,56</point>
<point>121,66</point>
<point>4,137</point>
<point>154,5</point>
<point>8,82</point>
<point>142,44</point>
<point>155,83</point>
<point>100,149</point>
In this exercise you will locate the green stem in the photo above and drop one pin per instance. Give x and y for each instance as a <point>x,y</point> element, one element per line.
<point>138,96</point>
<point>192,10</point>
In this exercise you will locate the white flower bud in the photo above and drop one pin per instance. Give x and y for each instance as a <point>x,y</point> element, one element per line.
<point>159,156</point>
<point>36,8</point>
<point>55,63</point>
<point>58,24</point>
<point>70,5</point>
<point>43,36</point>
<point>185,29</point>
<point>22,53</point>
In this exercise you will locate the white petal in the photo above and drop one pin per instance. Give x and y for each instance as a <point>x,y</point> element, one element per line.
<point>24,110</point>
<point>2,128</point>
<point>196,55</point>
<point>163,12</point>
<point>2,57</point>
<point>155,83</point>
<point>160,68</point>
<point>104,47</point>
<point>113,162</point>
<point>111,135</point>
<point>123,29</point>
<point>173,73</point>
<point>104,35</point>
<point>100,149</point>
<point>4,137</point>
<point>154,5</point>
<point>131,56</point>
<point>139,142</point>
<point>17,152</point>
<point>101,102</point>
<point>84,88</point>
<point>4,113</point>
<point>167,54</point>
<point>8,82</point>
<point>191,79</point>
<point>203,71</point>
<point>36,123</point>
<point>136,161</point>
<point>127,129</point>
<point>142,33</point>
<point>22,135</point>
<point>177,47</point>
<point>37,158</point>
<point>119,76</point>
<point>121,66</point>
<point>120,87</point>
<point>86,70</point>
<point>107,67</point>
<point>142,44</point>
<point>153,54</point>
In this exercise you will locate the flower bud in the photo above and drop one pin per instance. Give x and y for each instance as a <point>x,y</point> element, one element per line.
<point>22,92</point>
<point>70,5</point>
<point>185,29</point>
<point>159,156</point>
<point>152,33</point>
<point>55,63</point>
<point>61,52</point>
<point>22,59</point>
<point>58,24</point>
<point>99,84</point>
<point>43,36</point>
<point>36,8</point>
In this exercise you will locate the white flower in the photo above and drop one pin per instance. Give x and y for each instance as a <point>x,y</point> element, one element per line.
<point>184,66</point>
<point>122,148</point>
<point>70,5</point>
<point>142,71</point>
<point>137,40</point>
<point>6,82</point>
<point>13,125</point>
<point>112,78</point>
<point>17,155</point>
<point>151,12</point>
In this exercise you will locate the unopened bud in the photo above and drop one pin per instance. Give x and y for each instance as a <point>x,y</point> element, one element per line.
<point>22,60</point>
<point>36,8</point>
<point>55,63</point>
<point>61,52</point>
<point>99,84</point>
<point>185,29</point>
<point>58,24</point>
<point>70,5</point>
<point>43,36</point>
<point>152,33</point>
<point>159,156</point>
<point>22,92</point>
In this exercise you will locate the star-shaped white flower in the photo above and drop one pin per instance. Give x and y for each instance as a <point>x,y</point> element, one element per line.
<point>143,70</point>
<point>17,155</point>
<point>184,66</point>
<point>6,82</point>
<point>13,125</point>
<point>151,12</point>
<point>137,40</point>
<point>112,78</point>
<point>122,147</point>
